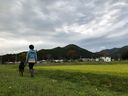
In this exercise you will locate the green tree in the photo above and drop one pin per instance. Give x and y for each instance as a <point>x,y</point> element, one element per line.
<point>48,56</point>
<point>104,53</point>
<point>125,55</point>
<point>22,57</point>
<point>71,54</point>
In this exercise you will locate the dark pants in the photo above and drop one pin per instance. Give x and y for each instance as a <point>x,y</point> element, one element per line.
<point>31,69</point>
<point>31,65</point>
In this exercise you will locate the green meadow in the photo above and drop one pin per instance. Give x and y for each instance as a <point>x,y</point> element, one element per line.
<point>66,79</point>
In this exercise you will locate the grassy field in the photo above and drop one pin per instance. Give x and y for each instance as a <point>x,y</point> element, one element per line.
<point>121,70</point>
<point>73,79</point>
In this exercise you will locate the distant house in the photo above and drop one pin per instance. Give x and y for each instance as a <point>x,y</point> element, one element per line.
<point>84,59</point>
<point>106,59</point>
<point>42,61</point>
<point>10,62</point>
<point>58,61</point>
<point>87,59</point>
<point>97,59</point>
<point>17,62</point>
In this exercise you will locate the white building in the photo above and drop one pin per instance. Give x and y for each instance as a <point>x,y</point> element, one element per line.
<point>106,59</point>
<point>97,59</point>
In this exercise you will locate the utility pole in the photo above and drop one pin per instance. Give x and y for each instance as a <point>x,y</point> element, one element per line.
<point>118,57</point>
<point>16,58</point>
<point>80,57</point>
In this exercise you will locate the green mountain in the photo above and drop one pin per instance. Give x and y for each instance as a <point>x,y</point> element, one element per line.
<point>61,52</point>
<point>55,53</point>
<point>118,54</point>
<point>115,53</point>
<point>110,51</point>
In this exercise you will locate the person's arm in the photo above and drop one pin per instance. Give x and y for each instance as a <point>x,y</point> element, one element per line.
<point>35,58</point>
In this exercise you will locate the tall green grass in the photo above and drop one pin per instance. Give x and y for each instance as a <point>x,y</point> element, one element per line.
<point>48,82</point>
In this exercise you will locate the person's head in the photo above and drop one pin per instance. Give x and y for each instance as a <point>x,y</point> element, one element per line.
<point>31,46</point>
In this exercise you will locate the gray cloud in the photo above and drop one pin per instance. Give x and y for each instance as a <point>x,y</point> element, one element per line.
<point>91,24</point>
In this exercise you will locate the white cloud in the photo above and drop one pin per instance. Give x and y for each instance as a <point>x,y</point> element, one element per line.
<point>47,24</point>
<point>102,48</point>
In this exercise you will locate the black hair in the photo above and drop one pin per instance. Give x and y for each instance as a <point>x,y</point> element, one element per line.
<point>31,46</point>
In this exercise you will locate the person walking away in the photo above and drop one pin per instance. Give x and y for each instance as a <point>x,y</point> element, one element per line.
<point>31,59</point>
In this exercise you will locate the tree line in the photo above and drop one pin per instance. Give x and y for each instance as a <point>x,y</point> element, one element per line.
<point>125,55</point>
<point>22,56</point>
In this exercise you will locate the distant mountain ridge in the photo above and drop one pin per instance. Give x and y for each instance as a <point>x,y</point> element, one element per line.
<point>115,52</point>
<point>110,51</point>
<point>61,52</point>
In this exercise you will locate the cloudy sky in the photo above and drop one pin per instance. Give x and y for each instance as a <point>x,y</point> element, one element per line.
<point>91,24</point>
